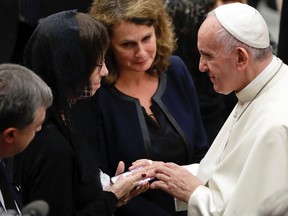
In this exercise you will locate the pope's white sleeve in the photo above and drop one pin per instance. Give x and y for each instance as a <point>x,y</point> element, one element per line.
<point>201,203</point>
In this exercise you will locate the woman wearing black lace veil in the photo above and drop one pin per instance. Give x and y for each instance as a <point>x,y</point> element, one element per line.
<point>61,165</point>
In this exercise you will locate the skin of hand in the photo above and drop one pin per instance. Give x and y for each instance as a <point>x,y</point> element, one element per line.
<point>126,188</point>
<point>146,165</point>
<point>175,180</point>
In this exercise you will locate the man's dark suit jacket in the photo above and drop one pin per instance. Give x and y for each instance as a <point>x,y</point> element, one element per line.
<point>11,192</point>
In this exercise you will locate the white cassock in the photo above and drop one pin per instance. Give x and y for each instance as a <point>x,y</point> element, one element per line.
<point>248,160</point>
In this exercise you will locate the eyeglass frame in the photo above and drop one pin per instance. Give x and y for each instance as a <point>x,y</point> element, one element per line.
<point>100,66</point>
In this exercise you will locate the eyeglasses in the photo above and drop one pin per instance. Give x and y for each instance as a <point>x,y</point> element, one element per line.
<point>100,66</point>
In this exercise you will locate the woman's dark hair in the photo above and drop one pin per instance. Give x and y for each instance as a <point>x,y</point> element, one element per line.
<point>141,12</point>
<point>64,51</point>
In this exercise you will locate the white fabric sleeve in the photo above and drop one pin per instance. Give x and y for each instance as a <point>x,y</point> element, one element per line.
<point>201,203</point>
<point>180,205</point>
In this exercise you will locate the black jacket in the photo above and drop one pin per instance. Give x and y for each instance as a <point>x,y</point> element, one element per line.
<point>62,168</point>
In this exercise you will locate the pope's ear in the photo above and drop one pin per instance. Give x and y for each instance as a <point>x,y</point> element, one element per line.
<point>243,58</point>
<point>8,135</point>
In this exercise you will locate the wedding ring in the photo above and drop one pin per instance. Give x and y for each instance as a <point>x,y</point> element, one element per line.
<point>124,201</point>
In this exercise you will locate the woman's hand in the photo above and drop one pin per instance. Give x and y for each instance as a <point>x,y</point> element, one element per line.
<point>126,188</point>
<point>135,192</point>
<point>140,163</point>
<point>146,165</point>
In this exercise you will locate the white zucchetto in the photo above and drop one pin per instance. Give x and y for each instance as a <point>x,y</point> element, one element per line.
<point>245,23</point>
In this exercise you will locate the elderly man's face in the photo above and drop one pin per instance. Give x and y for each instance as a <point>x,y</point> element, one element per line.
<point>220,67</point>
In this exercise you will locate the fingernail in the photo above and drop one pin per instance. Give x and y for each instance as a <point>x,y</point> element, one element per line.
<point>143,175</point>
